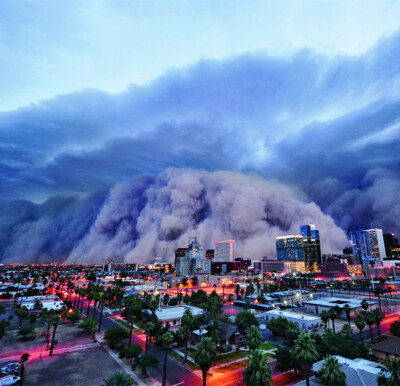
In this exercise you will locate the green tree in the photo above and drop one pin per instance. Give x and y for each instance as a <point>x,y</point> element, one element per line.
<point>325,317</point>
<point>237,290</point>
<point>378,292</point>
<point>332,316</point>
<point>26,332</point>
<point>3,325</point>
<point>347,310</point>
<point>179,297</point>
<point>32,318</point>
<point>166,300</point>
<point>22,313</point>
<point>253,338</point>
<point>370,320</point>
<point>148,328</point>
<point>166,341</point>
<point>118,379</point>
<point>89,325</point>
<point>284,358</point>
<point>258,371</point>
<point>365,304</point>
<point>346,330</point>
<point>205,356</point>
<point>115,335</point>
<point>305,354</point>
<point>147,361</point>
<point>72,315</point>
<point>395,328</point>
<point>55,321</point>
<point>390,372</point>
<point>331,374</point>
<point>245,319</point>
<point>359,321</point>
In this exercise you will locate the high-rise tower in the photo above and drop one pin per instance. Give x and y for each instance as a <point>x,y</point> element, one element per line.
<point>312,246</point>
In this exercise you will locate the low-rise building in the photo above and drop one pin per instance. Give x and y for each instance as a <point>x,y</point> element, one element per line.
<point>358,372</point>
<point>319,305</point>
<point>173,315</point>
<point>304,322</point>
<point>389,347</point>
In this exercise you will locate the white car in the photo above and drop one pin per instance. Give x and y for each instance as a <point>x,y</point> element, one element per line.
<point>262,327</point>
<point>9,380</point>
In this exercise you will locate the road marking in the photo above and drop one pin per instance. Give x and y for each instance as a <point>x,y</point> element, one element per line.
<point>180,383</point>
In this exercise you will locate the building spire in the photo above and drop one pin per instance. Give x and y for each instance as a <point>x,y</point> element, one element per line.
<point>193,238</point>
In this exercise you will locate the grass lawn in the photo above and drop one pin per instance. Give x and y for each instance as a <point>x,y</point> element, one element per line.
<point>267,346</point>
<point>191,365</point>
<point>231,367</point>
<point>230,357</point>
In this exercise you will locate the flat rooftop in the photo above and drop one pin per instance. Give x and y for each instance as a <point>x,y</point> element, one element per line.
<point>293,315</point>
<point>336,302</point>
<point>176,312</point>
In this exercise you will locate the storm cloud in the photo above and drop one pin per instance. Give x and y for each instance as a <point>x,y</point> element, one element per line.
<point>323,130</point>
<point>151,216</point>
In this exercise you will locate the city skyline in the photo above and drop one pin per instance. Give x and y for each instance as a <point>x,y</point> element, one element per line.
<point>270,115</point>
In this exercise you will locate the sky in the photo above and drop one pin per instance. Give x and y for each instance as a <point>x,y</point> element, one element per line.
<point>113,111</point>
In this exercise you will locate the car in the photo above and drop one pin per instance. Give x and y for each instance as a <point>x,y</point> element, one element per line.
<point>9,380</point>
<point>262,327</point>
<point>10,368</point>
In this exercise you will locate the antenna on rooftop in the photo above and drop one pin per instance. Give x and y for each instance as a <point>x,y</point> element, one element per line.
<point>192,238</point>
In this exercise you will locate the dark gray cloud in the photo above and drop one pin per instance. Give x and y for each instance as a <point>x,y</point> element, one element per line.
<point>327,127</point>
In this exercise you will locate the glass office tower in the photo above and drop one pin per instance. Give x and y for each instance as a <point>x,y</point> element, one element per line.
<point>312,246</point>
<point>290,248</point>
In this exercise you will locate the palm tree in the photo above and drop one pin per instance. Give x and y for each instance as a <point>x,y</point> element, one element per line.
<point>56,322</point>
<point>360,323</point>
<point>390,372</point>
<point>324,317</point>
<point>90,297</point>
<point>102,304</point>
<point>258,371</point>
<point>370,320</point>
<point>330,373</point>
<point>148,328</point>
<point>205,356</point>
<point>378,292</point>
<point>305,354</point>
<point>332,316</point>
<point>253,338</point>
<point>378,320</point>
<point>118,379</point>
<point>184,334</point>
<point>365,304</point>
<point>347,310</point>
<point>166,340</point>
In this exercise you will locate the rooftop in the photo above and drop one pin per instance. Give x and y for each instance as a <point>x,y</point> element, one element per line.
<point>388,346</point>
<point>336,302</point>
<point>176,312</point>
<point>293,315</point>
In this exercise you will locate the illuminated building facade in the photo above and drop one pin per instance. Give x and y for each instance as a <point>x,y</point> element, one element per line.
<point>180,252</point>
<point>368,245</point>
<point>224,250</point>
<point>194,261</point>
<point>392,246</point>
<point>290,248</point>
<point>312,246</point>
